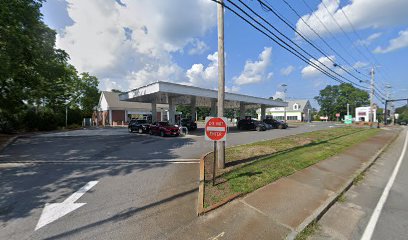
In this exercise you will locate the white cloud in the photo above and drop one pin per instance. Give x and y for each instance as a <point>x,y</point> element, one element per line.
<point>399,42</point>
<point>255,71</point>
<point>360,64</point>
<point>153,72</point>
<point>279,94</point>
<point>369,39</point>
<point>132,43</point>
<point>309,71</point>
<point>198,47</point>
<point>232,89</point>
<point>287,70</point>
<point>201,76</point>
<point>362,13</point>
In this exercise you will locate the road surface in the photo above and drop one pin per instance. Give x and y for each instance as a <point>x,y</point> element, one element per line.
<point>377,207</point>
<point>105,183</point>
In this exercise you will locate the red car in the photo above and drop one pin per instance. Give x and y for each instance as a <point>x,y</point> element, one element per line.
<point>164,129</point>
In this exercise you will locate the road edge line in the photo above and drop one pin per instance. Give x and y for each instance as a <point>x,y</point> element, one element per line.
<point>318,214</point>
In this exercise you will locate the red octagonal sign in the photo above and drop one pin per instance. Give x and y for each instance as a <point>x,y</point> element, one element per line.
<point>215,129</point>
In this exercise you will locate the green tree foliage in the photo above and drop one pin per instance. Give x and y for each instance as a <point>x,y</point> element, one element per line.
<point>403,113</point>
<point>334,99</point>
<point>35,77</point>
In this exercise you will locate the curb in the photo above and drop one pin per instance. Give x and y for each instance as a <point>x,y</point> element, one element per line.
<point>332,200</point>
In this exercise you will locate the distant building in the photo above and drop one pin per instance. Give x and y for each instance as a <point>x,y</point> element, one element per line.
<point>297,110</point>
<point>363,114</point>
<point>111,111</point>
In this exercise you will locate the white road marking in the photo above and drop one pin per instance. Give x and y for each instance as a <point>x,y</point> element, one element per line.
<point>368,232</point>
<point>109,162</point>
<point>218,236</point>
<point>54,211</point>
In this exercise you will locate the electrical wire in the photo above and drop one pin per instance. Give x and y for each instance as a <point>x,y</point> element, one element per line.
<point>266,6</point>
<point>290,40</point>
<point>287,47</point>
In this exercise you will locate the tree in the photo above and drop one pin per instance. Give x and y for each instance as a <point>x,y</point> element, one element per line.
<point>403,113</point>
<point>35,76</point>
<point>89,93</point>
<point>334,99</point>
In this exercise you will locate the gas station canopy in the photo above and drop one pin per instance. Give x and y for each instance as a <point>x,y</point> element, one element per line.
<point>177,94</point>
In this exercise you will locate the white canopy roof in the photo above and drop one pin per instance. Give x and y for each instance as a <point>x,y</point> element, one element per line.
<point>160,92</point>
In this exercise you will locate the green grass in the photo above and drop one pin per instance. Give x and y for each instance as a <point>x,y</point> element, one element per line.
<point>308,231</point>
<point>359,179</point>
<point>342,198</point>
<point>280,158</point>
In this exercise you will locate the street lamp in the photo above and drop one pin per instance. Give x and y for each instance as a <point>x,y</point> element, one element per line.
<point>348,109</point>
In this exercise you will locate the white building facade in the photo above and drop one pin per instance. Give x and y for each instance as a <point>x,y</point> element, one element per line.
<point>297,110</point>
<point>363,114</point>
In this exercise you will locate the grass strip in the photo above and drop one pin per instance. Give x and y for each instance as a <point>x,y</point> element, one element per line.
<point>280,158</point>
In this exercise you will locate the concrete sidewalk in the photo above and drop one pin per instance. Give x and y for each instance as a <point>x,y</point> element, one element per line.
<point>284,208</point>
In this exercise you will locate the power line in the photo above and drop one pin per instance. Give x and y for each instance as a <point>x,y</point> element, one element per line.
<point>282,34</point>
<point>287,47</point>
<point>344,32</point>
<point>327,28</point>
<point>269,8</point>
<point>333,37</point>
<point>359,38</point>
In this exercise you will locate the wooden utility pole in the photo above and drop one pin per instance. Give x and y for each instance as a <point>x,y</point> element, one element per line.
<point>372,96</point>
<point>221,80</point>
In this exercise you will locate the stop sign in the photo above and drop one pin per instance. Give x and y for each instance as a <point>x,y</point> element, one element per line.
<point>215,129</point>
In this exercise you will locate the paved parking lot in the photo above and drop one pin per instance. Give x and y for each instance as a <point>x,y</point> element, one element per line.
<point>146,185</point>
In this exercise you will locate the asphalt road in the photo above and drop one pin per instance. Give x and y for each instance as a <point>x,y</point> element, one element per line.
<point>349,219</point>
<point>146,185</point>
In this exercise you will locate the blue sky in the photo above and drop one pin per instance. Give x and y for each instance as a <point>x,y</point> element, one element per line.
<point>128,43</point>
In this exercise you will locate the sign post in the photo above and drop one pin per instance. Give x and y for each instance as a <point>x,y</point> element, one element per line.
<point>337,116</point>
<point>216,131</point>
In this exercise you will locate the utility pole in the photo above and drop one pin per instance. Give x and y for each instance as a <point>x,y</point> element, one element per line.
<point>221,80</point>
<point>372,96</point>
<point>388,86</point>
<point>284,86</point>
<point>348,109</point>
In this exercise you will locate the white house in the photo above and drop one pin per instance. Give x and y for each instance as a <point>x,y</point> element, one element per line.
<point>363,114</point>
<point>297,110</point>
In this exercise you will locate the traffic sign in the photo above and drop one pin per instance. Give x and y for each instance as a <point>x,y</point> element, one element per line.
<point>348,119</point>
<point>337,114</point>
<point>215,129</point>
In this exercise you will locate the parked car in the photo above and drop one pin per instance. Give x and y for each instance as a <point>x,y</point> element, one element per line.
<point>188,123</point>
<point>164,129</point>
<point>275,123</point>
<point>403,123</point>
<point>251,124</point>
<point>138,125</point>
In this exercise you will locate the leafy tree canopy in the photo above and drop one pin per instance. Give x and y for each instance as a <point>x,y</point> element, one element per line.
<point>334,99</point>
<point>33,72</point>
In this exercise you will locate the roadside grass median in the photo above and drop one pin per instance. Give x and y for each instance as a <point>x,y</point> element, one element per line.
<point>251,166</point>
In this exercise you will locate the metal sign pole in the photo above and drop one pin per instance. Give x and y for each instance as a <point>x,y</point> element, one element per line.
<point>214,162</point>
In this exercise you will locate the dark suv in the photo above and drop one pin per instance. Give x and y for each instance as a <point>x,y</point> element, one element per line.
<point>188,123</point>
<point>275,123</point>
<point>251,124</point>
<point>138,125</point>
